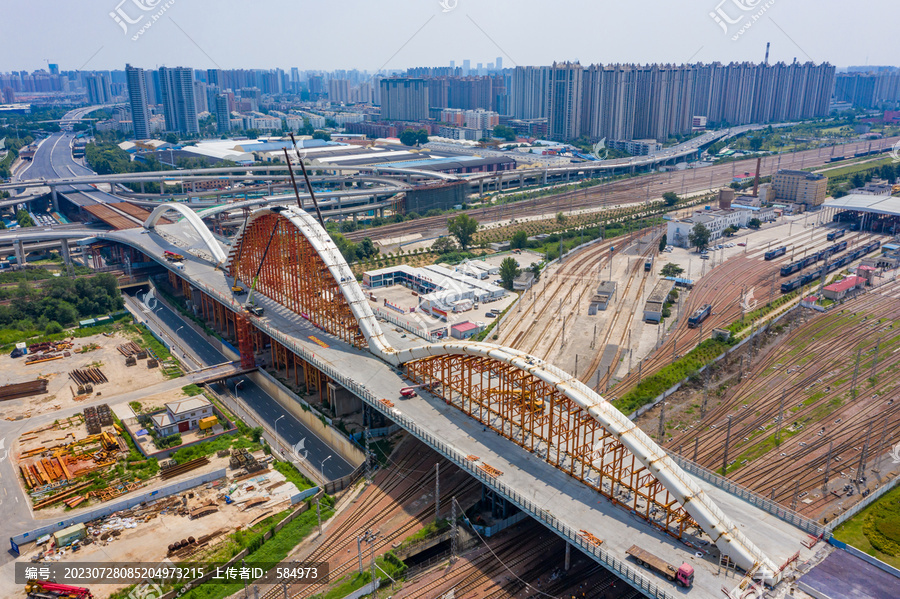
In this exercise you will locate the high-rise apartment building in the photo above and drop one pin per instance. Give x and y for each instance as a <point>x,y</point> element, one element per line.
<point>223,114</point>
<point>404,99</point>
<point>98,89</point>
<point>564,101</point>
<point>179,105</point>
<point>339,91</point>
<point>137,99</point>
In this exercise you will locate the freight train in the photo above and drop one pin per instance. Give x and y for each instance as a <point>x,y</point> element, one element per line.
<point>836,234</point>
<point>772,254</point>
<point>829,268</point>
<point>812,259</point>
<point>699,316</point>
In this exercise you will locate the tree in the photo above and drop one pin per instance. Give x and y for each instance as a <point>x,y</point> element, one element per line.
<point>444,245</point>
<point>323,135</point>
<point>507,133</point>
<point>536,271</point>
<point>409,137</point>
<point>171,138</point>
<point>366,249</point>
<point>756,143</point>
<point>519,240</point>
<point>463,227</point>
<point>560,218</point>
<point>509,270</point>
<point>699,237</point>
<point>422,136</point>
<point>671,270</point>
<point>671,198</point>
<point>24,219</point>
<point>754,223</point>
<point>663,242</point>
<point>730,231</point>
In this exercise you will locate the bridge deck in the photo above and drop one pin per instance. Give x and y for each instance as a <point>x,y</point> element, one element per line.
<point>554,496</point>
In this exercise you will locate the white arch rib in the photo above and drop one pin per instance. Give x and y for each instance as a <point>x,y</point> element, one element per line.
<point>195,222</point>
<point>330,254</point>
<point>730,541</point>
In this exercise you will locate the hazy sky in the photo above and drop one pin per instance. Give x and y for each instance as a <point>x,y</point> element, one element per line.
<point>391,34</point>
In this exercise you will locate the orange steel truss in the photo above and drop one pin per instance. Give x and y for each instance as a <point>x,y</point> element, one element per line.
<point>539,418</point>
<point>294,275</point>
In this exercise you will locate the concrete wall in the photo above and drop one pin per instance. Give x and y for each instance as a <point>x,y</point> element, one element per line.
<point>284,396</point>
<point>121,505</point>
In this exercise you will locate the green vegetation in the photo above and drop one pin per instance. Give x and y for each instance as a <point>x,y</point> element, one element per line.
<point>463,227</point>
<point>699,237</point>
<point>412,137</point>
<point>62,300</point>
<point>509,270</point>
<point>388,563</point>
<point>670,198</point>
<point>24,219</point>
<point>507,133</point>
<point>191,390</point>
<point>876,529</point>
<point>671,270</point>
<point>687,366</point>
<point>293,475</point>
<point>844,178</point>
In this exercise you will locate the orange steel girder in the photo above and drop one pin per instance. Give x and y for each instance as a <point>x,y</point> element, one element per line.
<point>562,433</point>
<point>294,275</point>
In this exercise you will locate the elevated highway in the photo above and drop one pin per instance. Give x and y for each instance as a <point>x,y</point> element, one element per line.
<point>579,466</point>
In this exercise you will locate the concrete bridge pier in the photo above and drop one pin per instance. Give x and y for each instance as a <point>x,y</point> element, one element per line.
<point>162,186</point>
<point>19,247</point>
<point>568,556</point>
<point>54,198</point>
<point>64,252</point>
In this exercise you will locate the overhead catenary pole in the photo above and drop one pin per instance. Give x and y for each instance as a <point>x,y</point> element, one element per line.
<point>827,468</point>
<point>437,492</point>
<point>727,442</point>
<point>861,470</point>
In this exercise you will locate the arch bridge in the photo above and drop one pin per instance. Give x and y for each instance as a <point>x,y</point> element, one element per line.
<point>532,403</point>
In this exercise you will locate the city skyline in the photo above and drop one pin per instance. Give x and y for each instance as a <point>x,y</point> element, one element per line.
<point>431,33</point>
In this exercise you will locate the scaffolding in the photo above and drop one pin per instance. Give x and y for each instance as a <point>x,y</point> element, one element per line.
<point>562,433</point>
<point>295,275</point>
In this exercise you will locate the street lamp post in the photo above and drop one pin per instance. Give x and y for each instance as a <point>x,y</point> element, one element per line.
<point>322,465</point>
<point>277,438</point>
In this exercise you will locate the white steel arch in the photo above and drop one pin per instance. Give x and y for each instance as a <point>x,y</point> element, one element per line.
<point>325,247</point>
<point>195,222</point>
<point>724,533</point>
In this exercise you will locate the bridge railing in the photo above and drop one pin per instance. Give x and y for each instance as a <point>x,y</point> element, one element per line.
<point>751,497</point>
<point>620,567</point>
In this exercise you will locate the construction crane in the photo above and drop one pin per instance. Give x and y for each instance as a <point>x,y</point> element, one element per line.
<point>535,404</point>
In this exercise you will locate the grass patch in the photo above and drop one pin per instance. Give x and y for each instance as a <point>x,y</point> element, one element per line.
<point>876,529</point>
<point>293,475</point>
<point>192,390</point>
<point>685,367</point>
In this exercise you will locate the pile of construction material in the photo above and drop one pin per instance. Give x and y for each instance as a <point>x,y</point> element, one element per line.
<point>48,351</point>
<point>90,375</point>
<point>241,458</point>
<point>132,352</point>
<point>17,390</point>
<point>95,417</point>
<point>177,469</point>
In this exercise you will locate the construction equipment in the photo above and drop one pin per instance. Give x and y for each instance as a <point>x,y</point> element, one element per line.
<point>249,307</point>
<point>57,590</point>
<point>683,576</point>
<point>172,256</point>
<point>238,290</point>
<point>535,404</point>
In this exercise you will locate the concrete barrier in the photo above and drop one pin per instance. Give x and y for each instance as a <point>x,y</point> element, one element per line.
<point>289,400</point>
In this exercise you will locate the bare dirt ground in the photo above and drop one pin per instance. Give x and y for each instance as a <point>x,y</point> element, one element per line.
<point>112,363</point>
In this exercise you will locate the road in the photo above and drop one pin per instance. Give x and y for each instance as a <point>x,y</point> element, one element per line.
<point>197,350</point>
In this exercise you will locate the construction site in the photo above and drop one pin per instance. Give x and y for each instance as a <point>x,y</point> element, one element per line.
<point>58,375</point>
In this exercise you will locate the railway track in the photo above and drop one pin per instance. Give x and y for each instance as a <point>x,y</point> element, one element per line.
<point>797,465</point>
<point>623,191</point>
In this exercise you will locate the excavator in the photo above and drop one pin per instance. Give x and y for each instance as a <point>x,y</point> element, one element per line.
<point>535,404</point>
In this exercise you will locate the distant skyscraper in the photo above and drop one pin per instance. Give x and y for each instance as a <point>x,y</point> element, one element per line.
<point>404,99</point>
<point>467,66</point>
<point>9,95</point>
<point>98,89</point>
<point>223,114</point>
<point>200,100</point>
<point>212,77</point>
<point>137,98</point>
<point>54,69</point>
<point>339,91</point>
<point>452,64</point>
<point>499,63</point>
<point>179,106</point>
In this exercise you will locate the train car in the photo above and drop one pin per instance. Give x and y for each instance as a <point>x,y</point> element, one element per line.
<point>835,159</point>
<point>772,254</point>
<point>842,246</point>
<point>873,246</point>
<point>836,234</point>
<point>699,316</point>
<point>790,286</point>
<point>790,269</point>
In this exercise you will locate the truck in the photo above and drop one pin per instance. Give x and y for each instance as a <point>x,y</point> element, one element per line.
<point>43,588</point>
<point>172,256</point>
<point>682,576</point>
